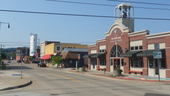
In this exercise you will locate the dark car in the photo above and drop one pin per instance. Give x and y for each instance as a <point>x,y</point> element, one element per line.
<point>19,61</point>
<point>41,64</point>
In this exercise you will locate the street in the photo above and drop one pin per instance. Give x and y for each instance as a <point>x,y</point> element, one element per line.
<point>55,82</point>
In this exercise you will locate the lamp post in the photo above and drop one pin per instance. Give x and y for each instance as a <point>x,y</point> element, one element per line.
<point>8,27</point>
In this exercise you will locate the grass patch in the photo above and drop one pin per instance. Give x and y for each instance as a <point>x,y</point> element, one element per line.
<point>116,75</point>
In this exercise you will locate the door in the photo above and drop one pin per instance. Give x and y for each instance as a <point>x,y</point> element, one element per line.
<point>116,63</point>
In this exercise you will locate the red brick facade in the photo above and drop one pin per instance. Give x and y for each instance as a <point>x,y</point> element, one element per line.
<point>123,40</point>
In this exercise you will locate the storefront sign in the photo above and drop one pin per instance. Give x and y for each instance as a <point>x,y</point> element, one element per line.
<point>157,54</point>
<point>115,39</point>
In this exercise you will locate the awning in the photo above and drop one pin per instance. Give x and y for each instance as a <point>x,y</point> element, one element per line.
<point>69,55</point>
<point>46,56</point>
<point>88,55</point>
<point>147,53</point>
<point>97,55</point>
<point>130,54</point>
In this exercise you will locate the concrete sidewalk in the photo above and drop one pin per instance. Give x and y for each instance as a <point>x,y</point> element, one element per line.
<point>125,76</point>
<point>11,80</point>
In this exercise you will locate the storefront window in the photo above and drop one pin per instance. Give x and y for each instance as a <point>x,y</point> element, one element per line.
<point>122,62</point>
<point>141,62</point>
<point>102,61</point>
<point>111,61</point>
<point>136,63</point>
<point>131,62</point>
<point>151,63</point>
<point>163,63</point>
<point>131,48</point>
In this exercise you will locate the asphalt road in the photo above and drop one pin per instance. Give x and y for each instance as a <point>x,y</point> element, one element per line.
<point>53,82</point>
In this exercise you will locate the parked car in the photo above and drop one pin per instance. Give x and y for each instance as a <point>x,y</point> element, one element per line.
<point>9,61</point>
<point>41,64</point>
<point>19,61</point>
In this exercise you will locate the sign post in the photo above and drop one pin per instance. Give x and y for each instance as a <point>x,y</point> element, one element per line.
<point>157,54</point>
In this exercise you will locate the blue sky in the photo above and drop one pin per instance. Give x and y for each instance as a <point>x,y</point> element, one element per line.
<point>70,29</point>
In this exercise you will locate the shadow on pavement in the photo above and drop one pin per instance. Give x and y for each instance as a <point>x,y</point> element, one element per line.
<point>18,67</point>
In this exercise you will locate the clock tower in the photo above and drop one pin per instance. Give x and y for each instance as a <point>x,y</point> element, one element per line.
<point>123,15</point>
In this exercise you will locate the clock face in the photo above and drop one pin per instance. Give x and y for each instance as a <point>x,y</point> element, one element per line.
<point>115,31</point>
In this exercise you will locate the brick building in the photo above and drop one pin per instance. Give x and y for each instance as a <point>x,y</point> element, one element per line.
<point>130,51</point>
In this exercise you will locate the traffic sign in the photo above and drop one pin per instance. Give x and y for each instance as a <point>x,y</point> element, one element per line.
<point>157,54</point>
<point>78,56</point>
<point>156,46</point>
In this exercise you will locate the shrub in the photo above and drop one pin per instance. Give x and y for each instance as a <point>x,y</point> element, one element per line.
<point>118,69</point>
<point>3,66</point>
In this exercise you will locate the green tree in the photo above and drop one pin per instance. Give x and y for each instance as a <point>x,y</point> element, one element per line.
<point>56,60</point>
<point>3,56</point>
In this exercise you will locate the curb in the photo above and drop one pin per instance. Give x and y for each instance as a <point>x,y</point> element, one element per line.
<point>121,78</point>
<point>18,86</point>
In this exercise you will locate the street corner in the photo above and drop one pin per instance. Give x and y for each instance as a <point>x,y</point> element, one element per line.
<point>15,82</point>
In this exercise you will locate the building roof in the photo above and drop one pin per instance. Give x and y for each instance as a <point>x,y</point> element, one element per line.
<point>74,50</point>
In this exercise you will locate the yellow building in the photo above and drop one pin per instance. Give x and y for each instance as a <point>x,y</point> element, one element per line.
<point>54,48</point>
<point>58,47</point>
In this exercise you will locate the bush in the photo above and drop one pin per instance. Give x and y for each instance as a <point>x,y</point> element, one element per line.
<point>118,69</point>
<point>84,67</point>
<point>3,66</point>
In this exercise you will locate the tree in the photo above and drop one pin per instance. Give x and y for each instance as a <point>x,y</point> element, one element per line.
<point>56,60</point>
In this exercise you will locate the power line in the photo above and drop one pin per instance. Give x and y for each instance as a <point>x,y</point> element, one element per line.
<point>81,15</point>
<point>97,4</point>
<point>141,2</point>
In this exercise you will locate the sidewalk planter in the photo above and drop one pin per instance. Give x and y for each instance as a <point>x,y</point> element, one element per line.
<point>82,69</point>
<point>116,72</point>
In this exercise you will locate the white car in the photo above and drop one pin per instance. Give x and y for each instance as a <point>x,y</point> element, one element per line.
<point>9,61</point>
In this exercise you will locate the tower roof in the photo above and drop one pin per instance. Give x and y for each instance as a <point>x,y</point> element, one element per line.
<point>124,5</point>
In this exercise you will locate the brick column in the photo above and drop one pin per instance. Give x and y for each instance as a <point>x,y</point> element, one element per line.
<point>167,51</point>
<point>127,66</point>
<point>89,64</point>
<point>98,63</point>
<point>145,66</point>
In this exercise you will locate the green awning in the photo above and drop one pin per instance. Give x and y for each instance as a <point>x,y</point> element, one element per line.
<point>147,53</point>
<point>130,54</point>
<point>88,55</point>
<point>97,55</point>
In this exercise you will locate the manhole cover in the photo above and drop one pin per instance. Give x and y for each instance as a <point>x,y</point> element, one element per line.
<point>16,74</point>
<point>152,94</point>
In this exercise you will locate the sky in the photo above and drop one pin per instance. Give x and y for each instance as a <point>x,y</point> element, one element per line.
<point>72,29</point>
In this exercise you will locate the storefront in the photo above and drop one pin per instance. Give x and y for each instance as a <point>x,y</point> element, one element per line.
<point>130,51</point>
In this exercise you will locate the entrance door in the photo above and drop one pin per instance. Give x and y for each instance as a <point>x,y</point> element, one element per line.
<point>116,63</point>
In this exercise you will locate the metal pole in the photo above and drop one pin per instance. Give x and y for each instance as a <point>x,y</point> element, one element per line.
<point>158,70</point>
<point>76,65</point>
<point>21,69</point>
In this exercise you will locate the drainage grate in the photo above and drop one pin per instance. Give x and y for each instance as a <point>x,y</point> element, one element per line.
<point>16,74</point>
<point>152,94</point>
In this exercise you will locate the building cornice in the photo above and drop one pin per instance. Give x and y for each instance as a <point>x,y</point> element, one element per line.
<point>92,45</point>
<point>139,33</point>
<point>100,40</point>
<point>158,35</point>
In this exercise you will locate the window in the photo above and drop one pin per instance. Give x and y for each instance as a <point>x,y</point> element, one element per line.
<point>102,50</point>
<point>140,47</point>
<point>163,63</point>
<point>122,62</point>
<point>131,62</point>
<point>57,48</point>
<point>136,47</point>
<point>151,63</point>
<point>131,48</point>
<point>141,62</point>
<point>136,63</point>
<point>102,61</point>
<point>111,61</point>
